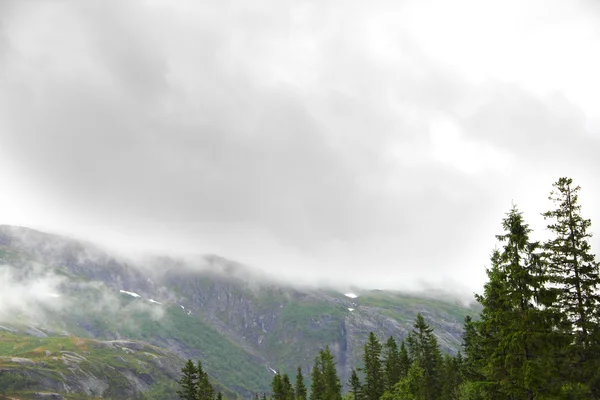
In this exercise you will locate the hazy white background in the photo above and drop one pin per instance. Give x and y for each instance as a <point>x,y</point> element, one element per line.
<point>332,140</point>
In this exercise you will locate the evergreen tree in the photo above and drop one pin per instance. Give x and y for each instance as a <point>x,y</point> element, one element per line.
<point>325,381</point>
<point>288,389</point>
<point>205,389</point>
<point>574,270</point>
<point>281,387</point>
<point>391,363</point>
<point>219,396</point>
<point>452,376</point>
<point>374,379</point>
<point>473,354</point>
<point>411,387</point>
<point>317,386</point>
<point>355,386</point>
<point>300,389</point>
<point>424,350</point>
<point>517,326</point>
<point>188,382</point>
<point>493,315</point>
<point>276,387</point>
<point>403,360</point>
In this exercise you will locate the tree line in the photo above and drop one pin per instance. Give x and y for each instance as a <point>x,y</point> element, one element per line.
<point>537,336</point>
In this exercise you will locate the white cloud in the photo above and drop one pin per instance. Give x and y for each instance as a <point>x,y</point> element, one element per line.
<point>302,136</point>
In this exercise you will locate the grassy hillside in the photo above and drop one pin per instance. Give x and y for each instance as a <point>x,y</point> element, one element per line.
<point>81,368</point>
<point>239,324</point>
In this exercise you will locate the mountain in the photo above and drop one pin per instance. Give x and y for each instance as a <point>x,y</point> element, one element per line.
<point>241,324</point>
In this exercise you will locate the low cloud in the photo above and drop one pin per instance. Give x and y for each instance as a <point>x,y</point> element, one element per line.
<point>29,296</point>
<point>376,144</point>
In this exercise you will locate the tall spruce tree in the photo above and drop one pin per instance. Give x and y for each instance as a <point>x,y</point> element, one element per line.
<point>471,345</point>
<point>493,317</point>
<point>452,376</point>
<point>281,387</point>
<point>412,387</point>
<point>574,269</point>
<point>391,363</point>
<point>517,332</point>
<point>188,382</point>
<point>205,390</point>
<point>374,385</point>
<point>355,386</point>
<point>424,350</point>
<point>288,388</point>
<point>403,360</point>
<point>300,387</point>
<point>325,381</point>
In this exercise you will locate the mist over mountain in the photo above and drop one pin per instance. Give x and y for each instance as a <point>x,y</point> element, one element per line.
<point>208,308</point>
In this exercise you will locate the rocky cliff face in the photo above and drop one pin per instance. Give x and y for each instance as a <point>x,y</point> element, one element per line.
<point>219,311</point>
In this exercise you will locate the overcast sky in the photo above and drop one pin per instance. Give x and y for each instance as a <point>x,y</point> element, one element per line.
<point>377,142</point>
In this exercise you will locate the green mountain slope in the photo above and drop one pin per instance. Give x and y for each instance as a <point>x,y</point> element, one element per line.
<point>83,368</point>
<point>241,325</point>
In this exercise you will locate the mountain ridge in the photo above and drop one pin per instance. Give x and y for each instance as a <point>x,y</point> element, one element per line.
<point>212,308</point>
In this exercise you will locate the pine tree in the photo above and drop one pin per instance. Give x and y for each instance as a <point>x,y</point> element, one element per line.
<point>325,381</point>
<point>288,389</point>
<point>188,382</point>
<point>205,389</point>
<point>355,386</point>
<point>517,335</point>
<point>276,387</point>
<point>374,379</point>
<point>411,387</point>
<point>575,271</point>
<point>403,360</point>
<point>451,376</point>
<point>424,350</point>
<point>281,387</point>
<point>489,331</point>
<point>472,348</point>
<point>219,396</point>
<point>317,386</point>
<point>391,363</point>
<point>300,389</point>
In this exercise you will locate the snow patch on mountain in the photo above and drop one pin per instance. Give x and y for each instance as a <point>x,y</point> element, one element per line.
<point>130,293</point>
<point>351,295</point>
<point>350,309</point>
<point>154,301</point>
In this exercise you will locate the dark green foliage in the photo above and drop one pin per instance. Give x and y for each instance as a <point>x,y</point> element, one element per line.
<point>412,387</point>
<point>205,388</point>
<point>355,386</point>
<point>452,376</point>
<point>281,387</point>
<point>573,269</point>
<point>473,357</point>
<point>300,387</point>
<point>392,364</point>
<point>195,384</point>
<point>517,339</point>
<point>12,381</point>
<point>374,380</point>
<point>403,360</point>
<point>325,381</point>
<point>188,382</point>
<point>424,351</point>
